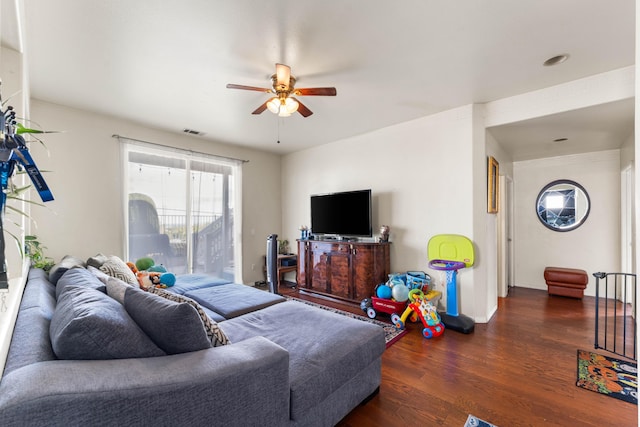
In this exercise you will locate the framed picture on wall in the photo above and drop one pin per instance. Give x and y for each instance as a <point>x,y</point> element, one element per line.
<point>492,185</point>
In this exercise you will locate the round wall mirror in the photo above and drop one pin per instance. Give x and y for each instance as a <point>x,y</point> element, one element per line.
<point>563,205</point>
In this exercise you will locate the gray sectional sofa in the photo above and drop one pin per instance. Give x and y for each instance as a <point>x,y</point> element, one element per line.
<point>285,363</point>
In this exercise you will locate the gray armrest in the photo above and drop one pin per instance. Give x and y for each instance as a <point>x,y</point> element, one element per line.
<point>245,383</point>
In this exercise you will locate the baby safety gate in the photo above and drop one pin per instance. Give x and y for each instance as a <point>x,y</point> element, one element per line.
<point>615,330</point>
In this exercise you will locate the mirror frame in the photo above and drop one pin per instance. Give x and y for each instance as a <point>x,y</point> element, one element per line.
<point>577,223</point>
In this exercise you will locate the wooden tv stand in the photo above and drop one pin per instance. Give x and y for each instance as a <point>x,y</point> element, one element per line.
<point>345,270</point>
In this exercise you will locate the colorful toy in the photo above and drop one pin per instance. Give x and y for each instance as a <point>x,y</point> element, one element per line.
<point>389,306</point>
<point>418,280</point>
<point>383,291</point>
<point>158,268</point>
<point>144,263</point>
<point>400,292</point>
<point>450,253</point>
<point>383,302</point>
<point>422,307</point>
<point>151,275</point>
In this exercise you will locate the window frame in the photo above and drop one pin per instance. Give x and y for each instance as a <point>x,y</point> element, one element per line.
<point>129,145</point>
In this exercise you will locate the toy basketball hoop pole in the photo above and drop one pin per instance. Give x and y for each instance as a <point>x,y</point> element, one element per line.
<point>452,319</point>
<point>452,289</point>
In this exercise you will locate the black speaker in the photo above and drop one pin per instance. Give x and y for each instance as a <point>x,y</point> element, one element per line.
<point>272,263</point>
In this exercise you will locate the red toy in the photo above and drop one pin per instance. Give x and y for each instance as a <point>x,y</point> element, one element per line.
<point>371,305</point>
<point>421,307</point>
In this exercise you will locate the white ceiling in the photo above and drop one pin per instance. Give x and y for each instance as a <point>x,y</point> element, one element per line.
<point>166,63</point>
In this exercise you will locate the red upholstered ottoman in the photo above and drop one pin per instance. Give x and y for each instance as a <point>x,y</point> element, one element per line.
<point>568,282</point>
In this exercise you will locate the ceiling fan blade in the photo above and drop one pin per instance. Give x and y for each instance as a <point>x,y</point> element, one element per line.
<point>302,109</point>
<point>260,109</point>
<point>320,91</point>
<point>283,74</point>
<point>243,87</point>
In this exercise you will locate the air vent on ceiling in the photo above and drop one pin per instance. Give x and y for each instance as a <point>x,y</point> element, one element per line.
<point>192,132</point>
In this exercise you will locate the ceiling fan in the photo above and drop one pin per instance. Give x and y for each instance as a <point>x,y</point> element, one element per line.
<point>284,104</point>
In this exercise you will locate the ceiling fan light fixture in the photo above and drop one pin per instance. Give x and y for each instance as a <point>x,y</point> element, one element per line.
<point>283,86</point>
<point>274,105</point>
<point>291,105</point>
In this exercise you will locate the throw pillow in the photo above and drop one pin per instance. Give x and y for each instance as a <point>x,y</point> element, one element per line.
<point>174,327</point>
<point>215,334</point>
<point>116,289</point>
<point>79,277</point>
<point>99,274</point>
<point>97,260</point>
<point>117,268</point>
<point>89,325</point>
<point>66,263</point>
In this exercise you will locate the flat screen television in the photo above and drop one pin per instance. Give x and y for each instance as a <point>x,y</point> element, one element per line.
<point>344,214</point>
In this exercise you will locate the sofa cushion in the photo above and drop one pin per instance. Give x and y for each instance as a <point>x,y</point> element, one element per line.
<point>30,342</point>
<point>216,317</point>
<point>79,277</point>
<point>88,324</point>
<point>215,334</point>
<point>97,260</point>
<point>326,349</point>
<point>40,292</point>
<point>116,288</point>
<point>175,327</point>
<point>100,275</point>
<point>189,282</point>
<point>68,262</point>
<point>232,300</point>
<point>115,267</point>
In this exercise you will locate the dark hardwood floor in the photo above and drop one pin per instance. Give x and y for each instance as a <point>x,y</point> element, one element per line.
<point>517,370</point>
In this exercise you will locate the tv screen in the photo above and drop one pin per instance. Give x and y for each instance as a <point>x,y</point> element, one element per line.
<point>346,213</point>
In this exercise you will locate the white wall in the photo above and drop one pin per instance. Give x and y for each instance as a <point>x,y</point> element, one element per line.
<point>422,178</point>
<point>87,215</point>
<point>594,246</point>
<point>493,225</point>
<point>627,151</point>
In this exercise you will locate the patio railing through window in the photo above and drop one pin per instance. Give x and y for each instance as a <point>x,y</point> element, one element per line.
<point>211,255</point>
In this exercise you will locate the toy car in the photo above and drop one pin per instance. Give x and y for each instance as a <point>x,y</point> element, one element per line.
<point>422,307</point>
<point>374,304</point>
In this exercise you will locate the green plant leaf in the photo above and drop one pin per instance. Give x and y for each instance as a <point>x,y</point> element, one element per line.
<point>21,130</point>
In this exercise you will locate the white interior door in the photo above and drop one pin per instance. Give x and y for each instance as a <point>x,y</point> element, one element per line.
<point>505,237</point>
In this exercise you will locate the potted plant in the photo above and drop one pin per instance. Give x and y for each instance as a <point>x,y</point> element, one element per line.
<point>34,250</point>
<point>15,158</point>
<point>283,246</point>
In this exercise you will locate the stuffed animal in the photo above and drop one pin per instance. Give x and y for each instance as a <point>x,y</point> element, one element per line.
<point>144,263</point>
<point>144,280</point>
<point>159,268</point>
<point>151,275</point>
<point>132,266</point>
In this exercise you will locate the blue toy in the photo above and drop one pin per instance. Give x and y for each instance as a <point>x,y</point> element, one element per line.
<point>383,291</point>
<point>450,253</point>
<point>400,292</point>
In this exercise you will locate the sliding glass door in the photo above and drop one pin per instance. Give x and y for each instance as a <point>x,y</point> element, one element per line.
<point>181,210</point>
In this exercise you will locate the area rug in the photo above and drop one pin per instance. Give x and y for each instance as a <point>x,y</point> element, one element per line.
<point>477,422</point>
<point>612,377</point>
<point>391,334</point>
